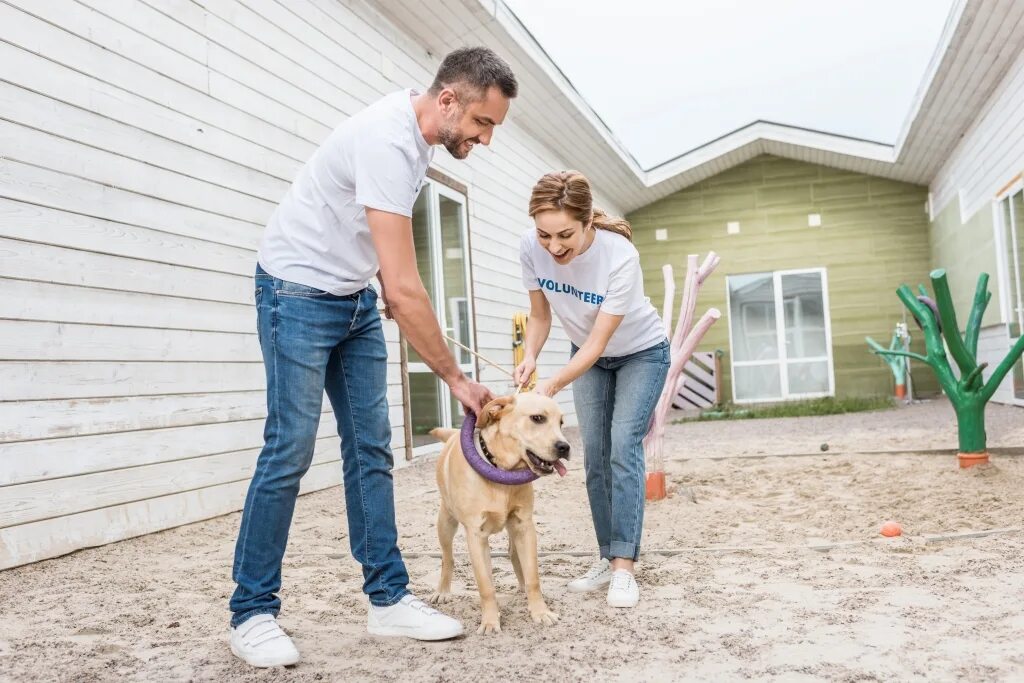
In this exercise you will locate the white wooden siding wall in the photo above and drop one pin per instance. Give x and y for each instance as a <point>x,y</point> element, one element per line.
<point>990,153</point>
<point>993,345</point>
<point>143,145</point>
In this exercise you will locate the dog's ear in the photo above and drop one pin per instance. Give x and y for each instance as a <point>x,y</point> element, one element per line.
<point>494,411</point>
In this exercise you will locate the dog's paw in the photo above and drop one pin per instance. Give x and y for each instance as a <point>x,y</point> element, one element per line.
<point>546,617</point>
<point>488,627</point>
<point>439,598</point>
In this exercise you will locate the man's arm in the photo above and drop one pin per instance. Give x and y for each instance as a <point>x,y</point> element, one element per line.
<point>407,299</point>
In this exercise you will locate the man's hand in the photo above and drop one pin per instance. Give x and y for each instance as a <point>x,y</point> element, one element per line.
<point>472,395</point>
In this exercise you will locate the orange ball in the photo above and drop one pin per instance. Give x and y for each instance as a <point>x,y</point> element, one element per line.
<point>892,529</point>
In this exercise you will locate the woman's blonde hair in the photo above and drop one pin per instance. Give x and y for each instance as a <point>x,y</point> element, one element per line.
<point>569,191</point>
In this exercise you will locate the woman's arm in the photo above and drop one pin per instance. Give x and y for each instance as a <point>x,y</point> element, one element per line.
<point>592,349</point>
<point>538,327</point>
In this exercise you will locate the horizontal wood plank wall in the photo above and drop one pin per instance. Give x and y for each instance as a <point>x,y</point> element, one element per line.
<point>143,146</point>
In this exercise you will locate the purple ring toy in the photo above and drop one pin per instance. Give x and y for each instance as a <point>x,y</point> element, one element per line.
<point>484,468</point>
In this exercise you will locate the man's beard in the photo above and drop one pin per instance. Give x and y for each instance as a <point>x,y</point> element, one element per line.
<point>449,137</point>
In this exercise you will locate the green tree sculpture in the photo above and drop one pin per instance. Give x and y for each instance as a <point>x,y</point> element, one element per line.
<point>967,391</point>
<point>897,364</point>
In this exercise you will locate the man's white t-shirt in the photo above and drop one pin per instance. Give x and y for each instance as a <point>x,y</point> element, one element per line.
<point>318,235</point>
<point>606,277</point>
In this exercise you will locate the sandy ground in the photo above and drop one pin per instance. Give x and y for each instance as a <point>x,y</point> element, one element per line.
<point>731,588</point>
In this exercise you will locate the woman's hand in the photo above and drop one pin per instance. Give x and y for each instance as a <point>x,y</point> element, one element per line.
<point>524,371</point>
<point>548,387</point>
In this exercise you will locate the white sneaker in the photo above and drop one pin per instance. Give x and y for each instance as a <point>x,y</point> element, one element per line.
<point>413,618</point>
<point>599,575</point>
<point>622,590</point>
<point>261,642</point>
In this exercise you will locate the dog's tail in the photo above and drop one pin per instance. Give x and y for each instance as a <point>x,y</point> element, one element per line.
<point>442,434</point>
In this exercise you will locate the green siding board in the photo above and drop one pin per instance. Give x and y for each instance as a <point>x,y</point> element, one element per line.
<point>964,250</point>
<point>873,237</point>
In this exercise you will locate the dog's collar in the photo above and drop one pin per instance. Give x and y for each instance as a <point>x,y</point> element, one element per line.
<point>484,450</point>
<point>468,439</point>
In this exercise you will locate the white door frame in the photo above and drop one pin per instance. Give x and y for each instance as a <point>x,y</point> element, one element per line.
<point>435,191</point>
<point>782,362</point>
<point>1008,267</point>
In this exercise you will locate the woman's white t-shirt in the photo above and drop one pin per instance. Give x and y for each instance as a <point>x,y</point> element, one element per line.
<point>606,277</point>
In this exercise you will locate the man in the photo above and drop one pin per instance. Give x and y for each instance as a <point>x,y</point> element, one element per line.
<point>345,220</point>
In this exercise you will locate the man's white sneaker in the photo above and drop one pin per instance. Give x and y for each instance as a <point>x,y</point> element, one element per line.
<point>261,642</point>
<point>622,590</point>
<point>598,576</point>
<point>413,618</point>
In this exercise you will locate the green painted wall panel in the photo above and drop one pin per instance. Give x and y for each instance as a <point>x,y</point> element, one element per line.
<point>964,250</point>
<point>874,236</point>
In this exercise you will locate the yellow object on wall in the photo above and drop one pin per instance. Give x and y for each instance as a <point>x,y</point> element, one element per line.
<point>519,343</point>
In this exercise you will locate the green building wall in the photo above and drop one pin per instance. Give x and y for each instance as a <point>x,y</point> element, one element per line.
<point>874,235</point>
<point>964,250</point>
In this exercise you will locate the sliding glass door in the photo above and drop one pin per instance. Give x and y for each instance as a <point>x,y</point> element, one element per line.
<point>440,235</point>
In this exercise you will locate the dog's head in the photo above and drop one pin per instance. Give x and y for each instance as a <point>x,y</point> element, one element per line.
<point>525,430</point>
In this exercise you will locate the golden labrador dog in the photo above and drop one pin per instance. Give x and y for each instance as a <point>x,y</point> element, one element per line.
<point>517,432</point>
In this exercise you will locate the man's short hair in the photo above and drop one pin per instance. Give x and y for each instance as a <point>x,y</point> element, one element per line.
<point>475,68</point>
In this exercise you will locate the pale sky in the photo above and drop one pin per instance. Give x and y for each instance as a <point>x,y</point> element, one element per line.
<point>667,76</point>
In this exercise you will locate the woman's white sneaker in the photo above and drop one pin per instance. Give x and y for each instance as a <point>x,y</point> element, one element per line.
<point>412,618</point>
<point>622,590</point>
<point>261,642</point>
<point>596,577</point>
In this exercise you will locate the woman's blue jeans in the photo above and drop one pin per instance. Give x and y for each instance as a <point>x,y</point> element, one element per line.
<point>615,400</point>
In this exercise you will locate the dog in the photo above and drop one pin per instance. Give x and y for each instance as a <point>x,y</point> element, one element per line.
<point>522,431</point>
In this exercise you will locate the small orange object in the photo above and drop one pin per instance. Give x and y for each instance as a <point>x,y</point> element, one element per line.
<point>901,391</point>
<point>892,529</point>
<point>655,486</point>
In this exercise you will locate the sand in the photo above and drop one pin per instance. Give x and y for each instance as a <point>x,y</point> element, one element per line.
<point>731,587</point>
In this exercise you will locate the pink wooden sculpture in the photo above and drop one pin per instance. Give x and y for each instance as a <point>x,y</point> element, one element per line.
<point>684,343</point>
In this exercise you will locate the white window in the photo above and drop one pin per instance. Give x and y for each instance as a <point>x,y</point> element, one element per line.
<point>780,335</point>
<point>441,238</point>
<point>1010,244</point>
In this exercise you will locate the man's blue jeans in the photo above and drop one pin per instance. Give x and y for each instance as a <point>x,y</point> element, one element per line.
<point>615,400</point>
<point>312,341</point>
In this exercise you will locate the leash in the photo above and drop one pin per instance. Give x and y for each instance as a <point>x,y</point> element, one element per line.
<point>485,360</point>
<point>484,468</point>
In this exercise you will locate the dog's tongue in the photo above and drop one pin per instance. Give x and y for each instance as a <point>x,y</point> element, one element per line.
<point>560,468</point>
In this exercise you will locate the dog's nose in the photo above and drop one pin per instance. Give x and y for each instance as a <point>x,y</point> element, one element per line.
<point>562,448</point>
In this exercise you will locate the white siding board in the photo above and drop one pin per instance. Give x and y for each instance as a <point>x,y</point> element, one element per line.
<point>36,185</point>
<point>69,49</point>
<point>72,158</point>
<point>64,341</point>
<point>32,223</point>
<point>29,461</point>
<point>48,264</point>
<point>40,500</point>
<point>993,345</point>
<point>990,153</point>
<point>44,114</point>
<point>34,73</point>
<point>53,537</point>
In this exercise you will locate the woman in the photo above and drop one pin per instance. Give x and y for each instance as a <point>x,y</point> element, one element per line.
<point>582,264</point>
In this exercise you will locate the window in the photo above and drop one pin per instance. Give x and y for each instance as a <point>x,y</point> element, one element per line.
<point>441,238</point>
<point>1010,228</point>
<point>780,336</point>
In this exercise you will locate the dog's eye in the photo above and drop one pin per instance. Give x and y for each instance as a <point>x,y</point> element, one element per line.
<point>539,419</point>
